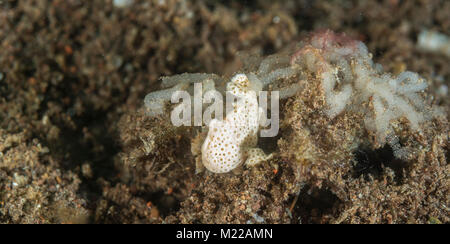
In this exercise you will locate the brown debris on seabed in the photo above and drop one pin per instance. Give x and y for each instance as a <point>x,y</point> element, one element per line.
<point>33,189</point>
<point>74,146</point>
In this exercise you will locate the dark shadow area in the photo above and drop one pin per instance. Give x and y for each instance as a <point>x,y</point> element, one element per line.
<point>314,205</point>
<point>89,143</point>
<point>4,90</point>
<point>372,163</point>
<point>269,144</point>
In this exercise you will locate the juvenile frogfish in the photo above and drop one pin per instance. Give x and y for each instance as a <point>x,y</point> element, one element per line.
<point>232,141</point>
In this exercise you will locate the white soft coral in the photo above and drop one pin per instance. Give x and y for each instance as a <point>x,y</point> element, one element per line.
<point>392,98</point>
<point>350,79</point>
<point>232,141</point>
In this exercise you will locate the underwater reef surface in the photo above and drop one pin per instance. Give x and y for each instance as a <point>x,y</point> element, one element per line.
<point>77,147</point>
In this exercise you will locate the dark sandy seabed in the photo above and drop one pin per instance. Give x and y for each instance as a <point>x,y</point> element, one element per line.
<point>73,75</point>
